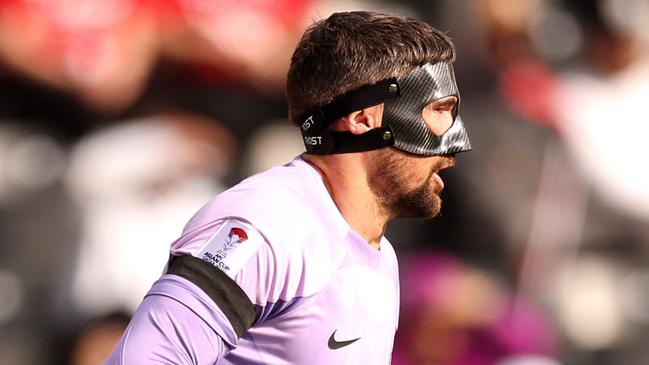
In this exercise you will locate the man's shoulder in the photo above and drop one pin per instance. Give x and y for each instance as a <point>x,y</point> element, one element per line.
<point>282,206</point>
<point>289,181</point>
<point>288,205</point>
<point>284,200</point>
<point>279,193</point>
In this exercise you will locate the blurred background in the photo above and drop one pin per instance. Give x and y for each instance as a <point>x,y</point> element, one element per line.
<point>119,118</point>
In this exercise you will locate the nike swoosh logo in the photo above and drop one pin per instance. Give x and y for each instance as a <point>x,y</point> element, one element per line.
<point>335,345</point>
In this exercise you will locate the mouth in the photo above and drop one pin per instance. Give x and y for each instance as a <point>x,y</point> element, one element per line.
<point>443,164</point>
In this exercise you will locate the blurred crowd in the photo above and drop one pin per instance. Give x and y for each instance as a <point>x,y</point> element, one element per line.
<point>120,118</point>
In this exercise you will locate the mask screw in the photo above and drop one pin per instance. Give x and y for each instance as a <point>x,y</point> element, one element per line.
<point>387,135</point>
<point>393,88</point>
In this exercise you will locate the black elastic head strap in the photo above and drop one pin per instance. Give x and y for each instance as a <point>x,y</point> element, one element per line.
<point>313,124</point>
<point>326,143</point>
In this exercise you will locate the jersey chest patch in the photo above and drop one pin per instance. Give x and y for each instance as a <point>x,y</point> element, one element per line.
<point>231,246</point>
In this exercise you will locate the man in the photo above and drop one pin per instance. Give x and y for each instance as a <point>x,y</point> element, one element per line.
<point>290,266</point>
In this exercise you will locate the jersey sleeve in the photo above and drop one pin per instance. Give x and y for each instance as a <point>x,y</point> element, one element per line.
<point>215,287</point>
<point>174,324</point>
<point>235,249</point>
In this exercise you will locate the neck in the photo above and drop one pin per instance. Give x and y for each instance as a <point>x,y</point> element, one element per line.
<point>345,177</point>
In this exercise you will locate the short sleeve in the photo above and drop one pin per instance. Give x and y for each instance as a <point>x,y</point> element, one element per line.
<point>227,245</point>
<point>231,251</point>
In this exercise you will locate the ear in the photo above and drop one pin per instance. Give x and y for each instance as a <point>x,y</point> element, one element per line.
<point>363,120</point>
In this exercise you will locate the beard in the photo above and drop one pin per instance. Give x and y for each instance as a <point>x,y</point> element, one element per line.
<point>393,188</point>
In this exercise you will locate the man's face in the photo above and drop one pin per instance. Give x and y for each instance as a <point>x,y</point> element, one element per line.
<point>409,185</point>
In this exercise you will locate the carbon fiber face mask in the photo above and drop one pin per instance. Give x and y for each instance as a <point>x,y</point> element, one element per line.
<point>403,115</point>
<point>403,126</point>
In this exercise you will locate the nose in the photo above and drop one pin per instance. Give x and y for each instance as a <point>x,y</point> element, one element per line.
<point>447,161</point>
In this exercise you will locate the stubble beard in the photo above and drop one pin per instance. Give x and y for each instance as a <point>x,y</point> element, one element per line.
<point>390,187</point>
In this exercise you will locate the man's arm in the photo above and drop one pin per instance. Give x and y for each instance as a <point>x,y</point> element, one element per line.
<point>179,322</point>
<point>196,312</point>
<point>165,331</point>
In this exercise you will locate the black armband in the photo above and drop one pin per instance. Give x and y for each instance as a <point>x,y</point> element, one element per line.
<point>224,291</point>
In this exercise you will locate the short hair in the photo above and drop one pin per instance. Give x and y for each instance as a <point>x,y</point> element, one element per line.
<point>348,50</point>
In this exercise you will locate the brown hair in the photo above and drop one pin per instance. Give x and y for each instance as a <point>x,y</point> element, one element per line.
<point>348,50</point>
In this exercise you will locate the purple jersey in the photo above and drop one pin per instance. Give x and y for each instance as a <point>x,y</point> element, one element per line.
<point>269,272</point>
